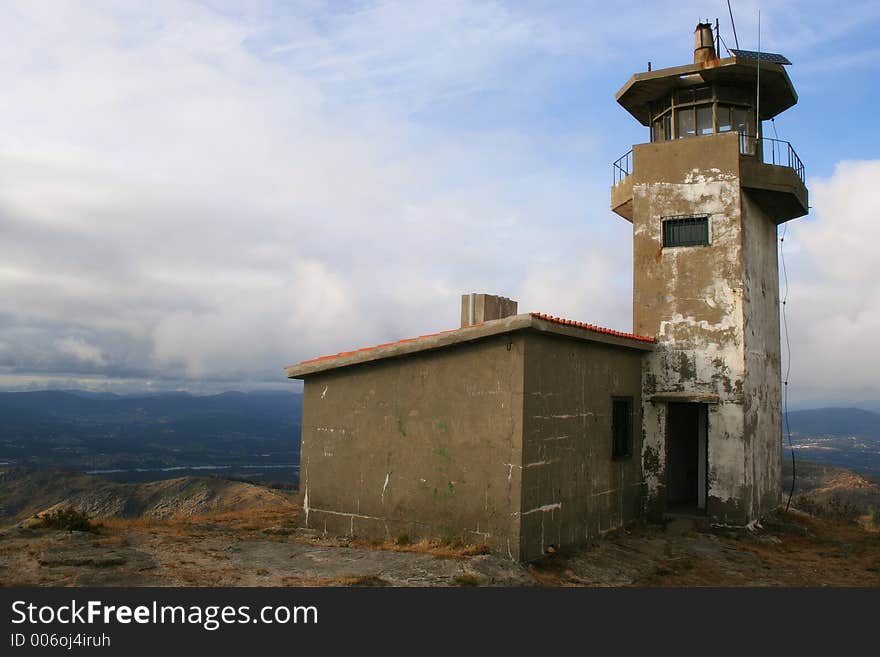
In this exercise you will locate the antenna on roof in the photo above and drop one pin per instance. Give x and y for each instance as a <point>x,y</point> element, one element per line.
<point>717,38</point>
<point>732,23</point>
<point>758,90</point>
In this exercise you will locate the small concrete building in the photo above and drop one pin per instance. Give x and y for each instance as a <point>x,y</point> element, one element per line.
<point>526,431</point>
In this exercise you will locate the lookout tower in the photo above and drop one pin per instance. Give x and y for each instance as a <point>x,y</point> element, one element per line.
<point>705,197</point>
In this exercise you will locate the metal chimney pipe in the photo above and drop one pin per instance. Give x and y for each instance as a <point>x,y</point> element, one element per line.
<point>704,44</point>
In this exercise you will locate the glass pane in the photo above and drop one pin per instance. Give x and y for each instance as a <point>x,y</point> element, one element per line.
<point>734,95</point>
<point>724,122</point>
<point>660,106</point>
<point>704,120</point>
<point>657,130</point>
<point>742,124</point>
<point>702,93</point>
<point>685,120</point>
<point>741,120</point>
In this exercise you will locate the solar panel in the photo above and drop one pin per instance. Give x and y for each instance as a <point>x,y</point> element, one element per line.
<point>771,57</point>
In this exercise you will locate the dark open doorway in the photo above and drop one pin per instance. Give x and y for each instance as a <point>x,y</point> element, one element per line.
<point>686,456</point>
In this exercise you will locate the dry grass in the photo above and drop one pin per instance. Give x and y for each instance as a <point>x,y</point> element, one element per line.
<point>442,549</point>
<point>247,521</point>
<point>810,552</point>
<point>354,581</point>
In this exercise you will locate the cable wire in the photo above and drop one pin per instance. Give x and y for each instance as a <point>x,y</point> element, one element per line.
<point>787,364</point>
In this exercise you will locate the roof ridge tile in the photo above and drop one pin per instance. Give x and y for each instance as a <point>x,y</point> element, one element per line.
<point>542,316</point>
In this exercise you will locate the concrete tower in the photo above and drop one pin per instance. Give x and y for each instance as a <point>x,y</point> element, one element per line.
<point>705,197</point>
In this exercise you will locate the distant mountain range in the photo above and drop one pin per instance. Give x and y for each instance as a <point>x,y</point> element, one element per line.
<point>256,435</point>
<point>835,422</point>
<point>844,437</point>
<point>141,438</point>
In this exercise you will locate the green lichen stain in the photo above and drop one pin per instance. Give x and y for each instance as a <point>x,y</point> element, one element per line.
<point>436,493</point>
<point>451,488</point>
<point>440,451</point>
<point>400,428</point>
<point>441,426</point>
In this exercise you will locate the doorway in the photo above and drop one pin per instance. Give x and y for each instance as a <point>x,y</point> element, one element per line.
<point>687,432</point>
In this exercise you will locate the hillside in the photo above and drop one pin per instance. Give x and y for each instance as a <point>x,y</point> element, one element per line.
<point>27,492</point>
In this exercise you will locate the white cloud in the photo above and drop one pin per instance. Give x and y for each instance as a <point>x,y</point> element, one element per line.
<point>834,300</point>
<point>82,351</point>
<point>192,195</point>
<point>199,207</point>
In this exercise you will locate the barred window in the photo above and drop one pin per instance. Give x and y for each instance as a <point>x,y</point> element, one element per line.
<point>686,231</point>
<point>621,427</point>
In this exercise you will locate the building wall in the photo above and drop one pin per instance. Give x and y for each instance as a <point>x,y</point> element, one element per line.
<point>572,489</point>
<point>691,299</point>
<point>762,392</point>
<point>427,445</point>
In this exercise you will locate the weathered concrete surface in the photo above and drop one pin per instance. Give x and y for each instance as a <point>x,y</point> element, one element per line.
<point>622,198</point>
<point>429,443</point>
<point>478,308</point>
<point>778,189</point>
<point>715,312</point>
<point>777,90</point>
<point>572,488</point>
<point>423,446</point>
<point>692,299</point>
<point>762,392</point>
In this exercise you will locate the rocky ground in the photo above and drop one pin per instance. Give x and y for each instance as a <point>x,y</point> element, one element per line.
<point>210,532</point>
<point>266,549</point>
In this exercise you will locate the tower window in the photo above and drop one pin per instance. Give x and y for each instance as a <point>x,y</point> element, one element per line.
<point>686,231</point>
<point>621,427</point>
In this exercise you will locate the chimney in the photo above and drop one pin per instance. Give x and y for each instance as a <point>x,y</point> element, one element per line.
<point>704,45</point>
<point>478,308</point>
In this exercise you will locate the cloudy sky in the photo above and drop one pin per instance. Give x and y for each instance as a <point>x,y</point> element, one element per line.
<point>195,194</point>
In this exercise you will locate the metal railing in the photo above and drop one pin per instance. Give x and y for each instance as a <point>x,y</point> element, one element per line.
<point>772,151</point>
<point>622,166</point>
<point>768,151</point>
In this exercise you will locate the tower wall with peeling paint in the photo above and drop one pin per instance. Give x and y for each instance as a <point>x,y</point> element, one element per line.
<point>712,397</point>
<point>714,311</point>
<point>762,393</point>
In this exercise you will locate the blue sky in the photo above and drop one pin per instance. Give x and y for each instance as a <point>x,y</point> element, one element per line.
<point>193,195</point>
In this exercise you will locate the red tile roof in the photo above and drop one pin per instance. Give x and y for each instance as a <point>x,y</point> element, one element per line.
<point>546,318</point>
<point>592,327</point>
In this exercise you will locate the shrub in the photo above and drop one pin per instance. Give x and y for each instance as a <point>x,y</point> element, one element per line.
<point>68,519</point>
<point>835,507</point>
